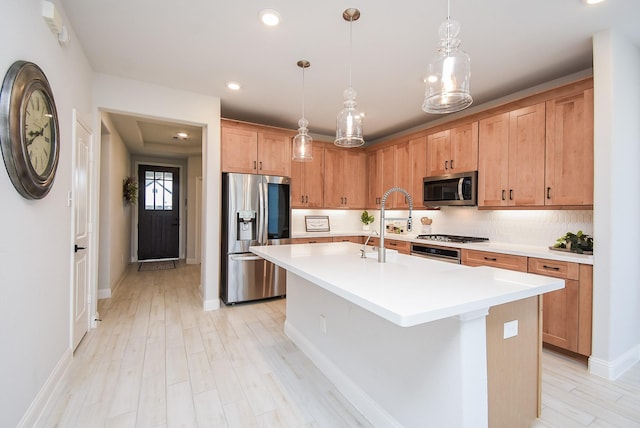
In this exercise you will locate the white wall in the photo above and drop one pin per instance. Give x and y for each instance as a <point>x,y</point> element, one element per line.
<point>35,248</point>
<point>145,99</point>
<point>194,170</point>
<point>616,312</point>
<point>115,215</point>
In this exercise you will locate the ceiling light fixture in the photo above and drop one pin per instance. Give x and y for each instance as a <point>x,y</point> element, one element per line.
<point>302,142</point>
<point>269,17</point>
<point>234,86</point>
<point>349,120</point>
<point>590,2</point>
<point>181,136</point>
<point>447,80</point>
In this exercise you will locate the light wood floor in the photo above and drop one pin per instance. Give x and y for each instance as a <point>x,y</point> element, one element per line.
<point>159,360</point>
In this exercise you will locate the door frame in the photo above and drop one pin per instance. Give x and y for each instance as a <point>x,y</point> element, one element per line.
<point>181,207</point>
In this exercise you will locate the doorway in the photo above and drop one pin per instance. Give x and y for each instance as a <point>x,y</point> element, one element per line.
<point>158,213</point>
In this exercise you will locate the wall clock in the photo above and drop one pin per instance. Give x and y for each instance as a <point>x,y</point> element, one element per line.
<point>29,134</point>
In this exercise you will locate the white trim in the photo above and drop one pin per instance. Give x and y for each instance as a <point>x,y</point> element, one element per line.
<point>614,369</point>
<point>191,261</point>
<point>212,305</point>
<point>360,399</point>
<point>44,400</point>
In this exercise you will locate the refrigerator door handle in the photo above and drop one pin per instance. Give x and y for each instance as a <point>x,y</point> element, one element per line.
<point>262,213</point>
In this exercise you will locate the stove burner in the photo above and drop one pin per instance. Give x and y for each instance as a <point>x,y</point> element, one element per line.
<point>452,238</point>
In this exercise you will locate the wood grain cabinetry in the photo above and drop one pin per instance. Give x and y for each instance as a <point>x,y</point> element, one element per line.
<point>344,178</point>
<point>354,239</point>
<point>453,150</point>
<point>569,149</point>
<point>511,158</point>
<point>567,313</point>
<point>418,168</point>
<point>307,181</point>
<point>312,240</point>
<point>403,247</point>
<point>499,260</point>
<point>253,149</point>
<point>381,170</point>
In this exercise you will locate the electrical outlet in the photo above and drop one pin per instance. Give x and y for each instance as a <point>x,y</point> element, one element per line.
<point>510,329</point>
<point>323,324</point>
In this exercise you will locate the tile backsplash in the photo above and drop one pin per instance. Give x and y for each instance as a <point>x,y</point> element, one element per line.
<point>531,227</point>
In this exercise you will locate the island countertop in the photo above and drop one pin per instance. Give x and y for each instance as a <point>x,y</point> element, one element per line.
<point>406,290</point>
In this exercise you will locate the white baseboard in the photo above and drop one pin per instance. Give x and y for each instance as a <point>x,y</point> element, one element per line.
<point>192,261</point>
<point>104,293</point>
<point>212,305</point>
<point>44,400</point>
<point>614,369</point>
<point>360,399</point>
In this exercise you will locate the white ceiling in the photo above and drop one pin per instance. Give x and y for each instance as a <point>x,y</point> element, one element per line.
<point>198,45</point>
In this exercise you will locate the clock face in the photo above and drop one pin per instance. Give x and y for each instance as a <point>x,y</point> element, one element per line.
<point>38,129</point>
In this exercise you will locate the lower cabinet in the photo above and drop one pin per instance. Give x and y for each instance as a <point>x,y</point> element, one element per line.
<point>403,247</point>
<point>311,240</point>
<point>354,239</point>
<point>485,258</point>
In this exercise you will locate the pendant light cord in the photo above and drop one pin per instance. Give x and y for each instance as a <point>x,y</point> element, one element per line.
<point>303,92</point>
<point>350,47</point>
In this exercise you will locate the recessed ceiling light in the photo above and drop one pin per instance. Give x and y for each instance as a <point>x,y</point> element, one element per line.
<point>234,86</point>
<point>593,1</point>
<point>181,136</point>
<point>269,17</point>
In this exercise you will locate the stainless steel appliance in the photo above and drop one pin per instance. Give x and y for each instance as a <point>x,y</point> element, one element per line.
<point>256,210</point>
<point>454,189</point>
<point>437,252</point>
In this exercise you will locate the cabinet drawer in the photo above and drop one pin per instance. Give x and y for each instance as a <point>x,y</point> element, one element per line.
<point>558,269</point>
<point>485,258</point>
<point>403,247</point>
<point>312,240</point>
<point>356,239</point>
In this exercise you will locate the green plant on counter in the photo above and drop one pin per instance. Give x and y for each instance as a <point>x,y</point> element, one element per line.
<point>365,218</point>
<point>130,190</point>
<point>575,242</point>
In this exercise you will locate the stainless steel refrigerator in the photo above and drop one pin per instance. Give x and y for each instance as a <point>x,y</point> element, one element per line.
<point>256,210</point>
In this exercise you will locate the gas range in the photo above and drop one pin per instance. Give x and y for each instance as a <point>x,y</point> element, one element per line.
<point>451,238</point>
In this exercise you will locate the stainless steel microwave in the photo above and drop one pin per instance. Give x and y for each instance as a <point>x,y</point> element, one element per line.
<point>454,189</point>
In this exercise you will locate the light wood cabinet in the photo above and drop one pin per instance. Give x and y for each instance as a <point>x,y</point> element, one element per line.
<point>252,149</point>
<point>381,171</point>
<point>312,240</point>
<point>511,158</point>
<point>569,150</point>
<point>403,247</point>
<point>403,175</point>
<point>453,150</point>
<point>418,168</point>
<point>307,181</point>
<point>567,313</point>
<point>354,239</point>
<point>344,178</point>
<point>499,260</point>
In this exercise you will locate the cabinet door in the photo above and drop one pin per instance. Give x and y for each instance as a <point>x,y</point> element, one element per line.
<point>438,153</point>
<point>374,186</point>
<point>464,148</point>
<point>403,174</point>
<point>333,178</point>
<point>499,260</point>
<point>354,179</point>
<point>560,316</point>
<point>388,155</point>
<point>239,148</point>
<point>526,156</point>
<point>493,161</point>
<point>569,150</point>
<point>274,153</point>
<point>314,179</point>
<point>418,167</point>
<point>298,191</point>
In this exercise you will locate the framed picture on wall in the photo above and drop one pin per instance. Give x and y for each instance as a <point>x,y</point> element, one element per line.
<point>316,223</point>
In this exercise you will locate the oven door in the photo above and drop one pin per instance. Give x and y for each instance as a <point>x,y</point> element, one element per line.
<point>443,254</point>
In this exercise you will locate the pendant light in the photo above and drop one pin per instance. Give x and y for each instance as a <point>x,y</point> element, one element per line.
<point>302,151</point>
<point>349,120</point>
<point>447,80</point>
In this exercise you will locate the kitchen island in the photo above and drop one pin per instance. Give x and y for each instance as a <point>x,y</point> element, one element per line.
<point>407,341</point>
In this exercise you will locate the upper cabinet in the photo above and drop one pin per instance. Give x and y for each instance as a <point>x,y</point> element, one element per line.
<point>569,150</point>
<point>344,178</point>
<point>307,181</point>
<point>381,170</point>
<point>453,150</point>
<point>253,149</point>
<point>511,158</point>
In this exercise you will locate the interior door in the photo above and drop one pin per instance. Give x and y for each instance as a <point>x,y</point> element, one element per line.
<point>158,212</point>
<point>80,302</point>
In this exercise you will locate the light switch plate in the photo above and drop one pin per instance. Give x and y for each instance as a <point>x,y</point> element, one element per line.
<point>510,329</point>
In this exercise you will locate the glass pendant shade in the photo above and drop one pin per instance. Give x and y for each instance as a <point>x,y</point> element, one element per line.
<point>448,75</point>
<point>302,143</point>
<point>349,122</point>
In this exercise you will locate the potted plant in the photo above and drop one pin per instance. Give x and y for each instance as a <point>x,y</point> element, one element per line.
<point>130,190</point>
<point>580,243</point>
<point>366,219</point>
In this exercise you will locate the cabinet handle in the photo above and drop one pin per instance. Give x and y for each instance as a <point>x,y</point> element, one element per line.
<point>551,267</point>
<point>446,165</point>
<point>345,200</point>
<point>511,194</point>
<point>306,199</point>
<point>254,164</point>
<point>260,165</point>
<point>548,192</point>
<point>491,259</point>
<point>451,162</point>
<point>504,194</point>
<point>313,242</point>
<point>393,244</point>
<point>302,199</point>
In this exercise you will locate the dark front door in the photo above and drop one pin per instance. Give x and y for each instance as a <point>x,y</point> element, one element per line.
<point>158,219</point>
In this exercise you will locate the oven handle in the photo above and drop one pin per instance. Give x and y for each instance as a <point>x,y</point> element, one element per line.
<point>460,195</point>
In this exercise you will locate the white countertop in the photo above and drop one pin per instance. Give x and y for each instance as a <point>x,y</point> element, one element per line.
<point>494,247</point>
<point>406,290</point>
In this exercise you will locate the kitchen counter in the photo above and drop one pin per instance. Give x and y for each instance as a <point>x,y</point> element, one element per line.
<point>494,247</point>
<point>390,335</point>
